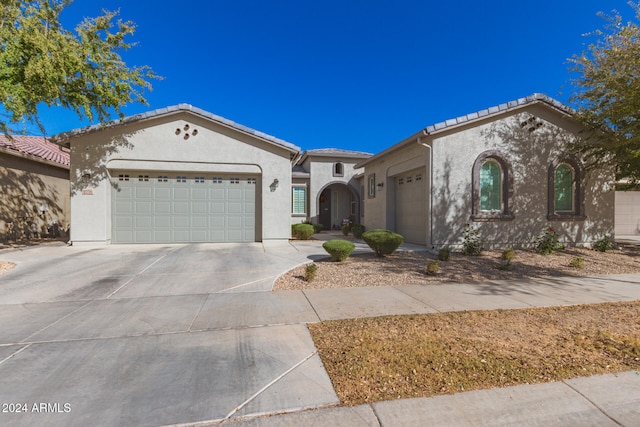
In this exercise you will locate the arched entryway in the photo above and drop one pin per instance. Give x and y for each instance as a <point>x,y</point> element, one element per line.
<point>337,202</point>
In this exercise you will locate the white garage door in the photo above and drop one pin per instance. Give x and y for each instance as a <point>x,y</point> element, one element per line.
<point>411,207</point>
<point>179,207</point>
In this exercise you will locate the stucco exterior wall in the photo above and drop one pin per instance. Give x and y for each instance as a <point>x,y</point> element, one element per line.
<point>322,176</point>
<point>26,186</point>
<point>379,211</point>
<point>530,154</point>
<point>449,187</point>
<point>156,145</point>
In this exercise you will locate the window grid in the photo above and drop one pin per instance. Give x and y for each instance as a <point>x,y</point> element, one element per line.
<point>299,200</point>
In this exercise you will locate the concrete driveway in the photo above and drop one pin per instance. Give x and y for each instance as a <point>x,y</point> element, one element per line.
<point>154,335</point>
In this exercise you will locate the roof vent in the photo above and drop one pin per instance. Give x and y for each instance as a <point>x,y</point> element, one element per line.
<point>531,124</point>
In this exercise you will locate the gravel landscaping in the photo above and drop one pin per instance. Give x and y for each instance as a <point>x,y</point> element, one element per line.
<point>409,268</point>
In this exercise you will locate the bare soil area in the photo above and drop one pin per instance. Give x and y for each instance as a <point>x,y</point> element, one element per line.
<point>409,268</point>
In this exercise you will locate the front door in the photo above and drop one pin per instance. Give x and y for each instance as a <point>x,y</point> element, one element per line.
<point>325,209</point>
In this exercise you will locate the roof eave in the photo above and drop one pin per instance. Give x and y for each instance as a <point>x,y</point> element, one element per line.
<point>65,137</point>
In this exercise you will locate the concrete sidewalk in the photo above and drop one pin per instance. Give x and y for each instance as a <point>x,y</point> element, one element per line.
<point>602,400</point>
<point>163,335</point>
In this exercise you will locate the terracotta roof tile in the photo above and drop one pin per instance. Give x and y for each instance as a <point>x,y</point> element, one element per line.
<point>37,146</point>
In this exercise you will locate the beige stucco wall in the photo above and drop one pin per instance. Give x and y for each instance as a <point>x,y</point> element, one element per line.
<point>379,211</point>
<point>322,176</point>
<point>155,145</point>
<point>26,185</point>
<point>627,213</point>
<point>529,153</point>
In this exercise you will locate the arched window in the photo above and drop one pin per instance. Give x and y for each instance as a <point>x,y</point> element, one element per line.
<point>565,200</point>
<point>564,188</point>
<point>338,169</point>
<point>492,187</point>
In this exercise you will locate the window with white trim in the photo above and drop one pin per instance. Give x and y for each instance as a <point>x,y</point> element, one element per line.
<point>299,200</point>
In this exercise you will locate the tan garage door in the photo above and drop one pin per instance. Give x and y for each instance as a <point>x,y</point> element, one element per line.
<point>163,207</point>
<point>411,215</point>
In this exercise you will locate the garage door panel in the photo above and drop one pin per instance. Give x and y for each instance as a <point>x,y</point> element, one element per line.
<point>234,207</point>
<point>199,207</point>
<point>167,208</point>
<point>410,215</point>
<point>163,193</point>
<point>162,208</point>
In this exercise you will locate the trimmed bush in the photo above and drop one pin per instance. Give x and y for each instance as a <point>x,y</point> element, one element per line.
<point>444,254</point>
<point>316,227</point>
<point>357,230</point>
<point>302,231</point>
<point>338,249</point>
<point>432,268</point>
<point>345,229</point>
<point>604,244</point>
<point>310,272</point>
<point>383,242</point>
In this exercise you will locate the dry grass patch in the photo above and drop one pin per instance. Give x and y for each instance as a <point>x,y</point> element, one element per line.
<point>395,357</point>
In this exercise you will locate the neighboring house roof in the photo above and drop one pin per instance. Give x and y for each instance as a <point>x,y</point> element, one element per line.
<point>451,124</point>
<point>63,138</point>
<point>335,153</point>
<point>37,147</point>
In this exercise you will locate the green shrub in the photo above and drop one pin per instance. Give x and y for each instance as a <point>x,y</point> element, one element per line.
<point>316,227</point>
<point>576,263</point>
<point>383,242</point>
<point>338,249</point>
<point>302,231</point>
<point>604,244</point>
<point>345,229</point>
<point>357,230</point>
<point>547,243</point>
<point>508,255</point>
<point>473,243</point>
<point>310,272</point>
<point>444,254</point>
<point>432,268</point>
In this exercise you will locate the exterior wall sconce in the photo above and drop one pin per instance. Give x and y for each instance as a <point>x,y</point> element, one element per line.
<point>86,178</point>
<point>380,185</point>
<point>274,185</point>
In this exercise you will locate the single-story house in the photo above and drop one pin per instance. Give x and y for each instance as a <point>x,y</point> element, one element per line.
<point>181,174</point>
<point>505,171</point>
<point>34,183</point>
<point>178,174</point>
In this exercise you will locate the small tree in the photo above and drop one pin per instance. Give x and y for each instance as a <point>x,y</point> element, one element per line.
<point>607,95</point>
<point>41,63</point>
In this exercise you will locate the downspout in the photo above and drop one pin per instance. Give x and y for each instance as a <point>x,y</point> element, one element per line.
<point>425,133</point>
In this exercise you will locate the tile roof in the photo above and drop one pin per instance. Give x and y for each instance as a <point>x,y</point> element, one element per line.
<point>436,128</point>
<point>37,146</point>
<point>177,109</point>
<point>337,152</point>
<point>540,97</point>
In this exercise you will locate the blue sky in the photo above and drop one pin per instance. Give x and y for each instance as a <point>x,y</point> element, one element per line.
<point>348,74</point>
